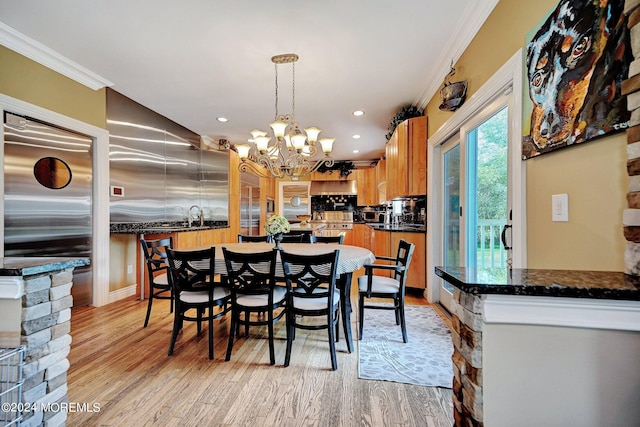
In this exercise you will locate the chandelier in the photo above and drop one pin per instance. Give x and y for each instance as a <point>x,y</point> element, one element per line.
<point>292,152</point>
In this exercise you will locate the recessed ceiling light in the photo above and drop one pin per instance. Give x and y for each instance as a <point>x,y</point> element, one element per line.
<point>356,137</point>
<point>358,113</point>
<point>355,151</point>
<point>222,119</point>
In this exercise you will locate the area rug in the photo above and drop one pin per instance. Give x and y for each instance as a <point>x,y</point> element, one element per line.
<point>425,360</point>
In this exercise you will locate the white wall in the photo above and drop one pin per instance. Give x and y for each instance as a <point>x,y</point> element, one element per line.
<point>560,376</point>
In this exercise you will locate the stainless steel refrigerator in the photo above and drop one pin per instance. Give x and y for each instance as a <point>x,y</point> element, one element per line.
<point>249,204</point>
<point>48,195</point>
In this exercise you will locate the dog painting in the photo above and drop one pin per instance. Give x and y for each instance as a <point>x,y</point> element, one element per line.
<point>575,66</point>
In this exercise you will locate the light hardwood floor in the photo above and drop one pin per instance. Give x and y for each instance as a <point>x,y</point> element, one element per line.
<point>124,368</point>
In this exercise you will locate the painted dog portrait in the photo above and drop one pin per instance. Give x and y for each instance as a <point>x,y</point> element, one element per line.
<point>575,65</point>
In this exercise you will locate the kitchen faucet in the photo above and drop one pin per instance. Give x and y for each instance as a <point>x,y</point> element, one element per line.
<point>200,215</point>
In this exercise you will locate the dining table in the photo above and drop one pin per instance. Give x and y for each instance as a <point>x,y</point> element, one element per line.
<point>350,259</point>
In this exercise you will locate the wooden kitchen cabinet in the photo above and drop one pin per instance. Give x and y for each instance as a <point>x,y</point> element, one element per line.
<point>361,236</point>
<point>406,155</point>
<point>202,238</point>
<point>385,243</point>
<point>381,182</point>
<point>366,186</point>
<point>417,267</point>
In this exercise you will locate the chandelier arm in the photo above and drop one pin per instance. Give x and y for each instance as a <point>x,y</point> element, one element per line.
<point>250,167</point>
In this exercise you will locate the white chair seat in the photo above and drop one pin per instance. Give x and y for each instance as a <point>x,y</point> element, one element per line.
<point>161,279</point>
<point>203,296</point>
<point>279,294</point>
<point>379,284</point>
<point>315,303</point>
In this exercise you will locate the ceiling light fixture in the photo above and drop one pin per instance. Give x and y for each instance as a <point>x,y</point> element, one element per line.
<point>222,119</point>
<point>358,113</point>
<point>356,136</point>
<point>292,152</point>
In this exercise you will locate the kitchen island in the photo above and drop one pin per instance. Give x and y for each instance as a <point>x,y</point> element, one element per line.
<point>545,347</point>
<point>35,314</point>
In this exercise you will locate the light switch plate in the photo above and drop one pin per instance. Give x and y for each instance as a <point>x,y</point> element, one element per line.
<point>560,207</point>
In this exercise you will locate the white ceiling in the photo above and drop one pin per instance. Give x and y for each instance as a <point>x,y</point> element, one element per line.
<point>193,61</point>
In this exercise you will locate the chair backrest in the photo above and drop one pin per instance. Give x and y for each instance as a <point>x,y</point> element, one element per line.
<point>242,238</point>
<point>192,270</point>
<point>313,276</point>
<point>403,258</point>
<point>295,238</point>
<point>251,273</point>
<point>155,254</point>
<point>328,239</point>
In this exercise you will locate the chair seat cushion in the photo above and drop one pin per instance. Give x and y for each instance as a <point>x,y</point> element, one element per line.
<point>318,303</point>
<point>379,284</point>
<point>279,293</point>
<point>161,279</point>
<point>202,297</point>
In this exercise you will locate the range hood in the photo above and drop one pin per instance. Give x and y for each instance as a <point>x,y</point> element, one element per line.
<point>328,188</point>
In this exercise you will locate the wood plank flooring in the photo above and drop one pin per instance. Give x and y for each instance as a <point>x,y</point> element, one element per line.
<point>124,368</point>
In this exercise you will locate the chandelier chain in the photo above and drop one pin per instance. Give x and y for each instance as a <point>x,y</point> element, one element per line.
<point>293,91</point>
<point>276,65</point>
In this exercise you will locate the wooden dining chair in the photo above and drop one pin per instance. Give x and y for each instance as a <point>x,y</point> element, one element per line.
<point>328,239</point>
<point>374,286</point>
<point>295,238</point>
<point>311,292</point>
<point>243,238</point>
<point>254,292</point>
<point>155,256</point>
<point>192,277</point>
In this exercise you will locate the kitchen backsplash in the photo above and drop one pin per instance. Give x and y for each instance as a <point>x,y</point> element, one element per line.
<point>412,209</point>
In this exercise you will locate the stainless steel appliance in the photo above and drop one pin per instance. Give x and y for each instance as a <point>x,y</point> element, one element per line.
<point>337,222</point>
<point>48,195</point>
<point>249,204</point>
<point>369,214</point>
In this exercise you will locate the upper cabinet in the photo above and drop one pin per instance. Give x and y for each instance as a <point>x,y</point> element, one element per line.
<point>406,153</point>
<point>366,182</point>
<point>381,182</point>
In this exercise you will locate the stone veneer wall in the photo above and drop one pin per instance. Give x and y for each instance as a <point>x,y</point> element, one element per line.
<point>631,88</point>
<point>467,359</point>
<point>46,323</point>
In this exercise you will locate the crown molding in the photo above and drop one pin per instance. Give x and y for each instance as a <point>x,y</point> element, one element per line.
<point>461,37</point>
<point>20,43</point>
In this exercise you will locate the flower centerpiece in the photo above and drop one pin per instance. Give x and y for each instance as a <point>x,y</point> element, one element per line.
<point>275,226</point>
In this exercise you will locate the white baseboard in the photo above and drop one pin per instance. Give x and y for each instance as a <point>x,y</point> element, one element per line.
<point>123,293</point>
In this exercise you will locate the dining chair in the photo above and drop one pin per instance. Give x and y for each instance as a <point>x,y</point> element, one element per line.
<point>254,292</point>
<point>192,277</point>
<point>242,238</point>
<point>311,292</point>
<point>328,239</point>
<point>375,286</point>
<point>295,238</point>
<point>155,256</point>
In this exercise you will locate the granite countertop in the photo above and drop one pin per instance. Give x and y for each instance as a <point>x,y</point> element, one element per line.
<point>551,283</point>
<point>411,228</point>
<point>162,227</point>
<point>26,266</point>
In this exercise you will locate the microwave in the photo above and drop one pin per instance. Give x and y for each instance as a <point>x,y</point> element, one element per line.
<point>370,216</point>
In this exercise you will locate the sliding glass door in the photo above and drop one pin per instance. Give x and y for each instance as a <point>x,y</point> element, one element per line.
<point>475,194</point>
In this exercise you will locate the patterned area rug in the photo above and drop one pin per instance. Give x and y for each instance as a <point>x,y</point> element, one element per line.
<point>425,360</point>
